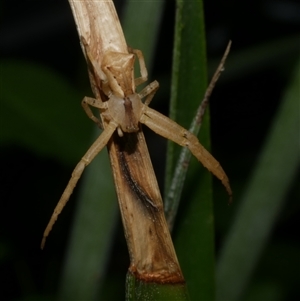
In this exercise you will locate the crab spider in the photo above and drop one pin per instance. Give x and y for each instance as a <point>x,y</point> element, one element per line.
<point>122,110</point>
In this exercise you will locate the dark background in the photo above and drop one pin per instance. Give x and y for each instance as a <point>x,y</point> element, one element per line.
<point>242,108</point>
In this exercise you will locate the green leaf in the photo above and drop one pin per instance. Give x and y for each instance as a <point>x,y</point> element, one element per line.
<point>194,231</point>
<point>92,233</point>
<point>263,198</point>
<point>46,120</point>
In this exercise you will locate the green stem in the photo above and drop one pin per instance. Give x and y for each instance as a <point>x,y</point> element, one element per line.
<point>139,290</point>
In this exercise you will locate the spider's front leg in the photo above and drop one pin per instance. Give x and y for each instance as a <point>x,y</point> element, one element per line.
<point>96,147</point>
<point>150,89</point>
<point>169,129</point>
<point>143,68</point>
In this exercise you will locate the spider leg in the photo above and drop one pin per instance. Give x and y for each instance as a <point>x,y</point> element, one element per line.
<point>143,69</point>
<point>96,103</point>
<point>96,147</point>
<point>149,91</point>
<point>169,129</point>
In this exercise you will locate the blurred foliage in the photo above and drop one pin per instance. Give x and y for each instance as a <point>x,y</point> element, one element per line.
<point>43,132</point>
